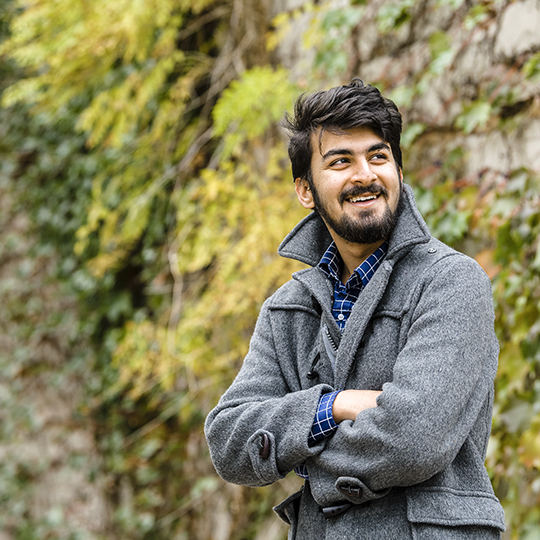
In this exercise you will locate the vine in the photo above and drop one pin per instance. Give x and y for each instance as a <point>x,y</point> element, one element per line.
<point>143,147</point>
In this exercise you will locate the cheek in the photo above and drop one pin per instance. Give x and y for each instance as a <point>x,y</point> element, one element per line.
<point>327,191</point>
<point>395,194</point>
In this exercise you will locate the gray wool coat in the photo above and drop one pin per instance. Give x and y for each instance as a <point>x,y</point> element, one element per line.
<point>422,332</point>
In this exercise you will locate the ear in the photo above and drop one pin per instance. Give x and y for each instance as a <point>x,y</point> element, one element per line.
<point>303,192</point>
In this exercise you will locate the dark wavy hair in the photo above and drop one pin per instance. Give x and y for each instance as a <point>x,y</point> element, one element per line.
<point>343,107</point>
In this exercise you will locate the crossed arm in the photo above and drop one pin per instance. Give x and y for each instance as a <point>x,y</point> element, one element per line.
<point>440,392</point>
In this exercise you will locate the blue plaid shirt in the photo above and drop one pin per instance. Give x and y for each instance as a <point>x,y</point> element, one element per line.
<point>345,297</point>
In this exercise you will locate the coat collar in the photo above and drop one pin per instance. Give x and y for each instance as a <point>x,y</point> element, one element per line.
<point>308,241</point>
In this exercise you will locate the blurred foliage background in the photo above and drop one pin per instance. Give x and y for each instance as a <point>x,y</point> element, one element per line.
<point>144,189</point>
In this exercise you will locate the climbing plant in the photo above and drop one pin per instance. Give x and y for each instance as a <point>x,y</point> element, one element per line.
<point>155,170</point>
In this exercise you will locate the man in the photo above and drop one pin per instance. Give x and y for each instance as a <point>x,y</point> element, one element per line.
<point>370,373</point>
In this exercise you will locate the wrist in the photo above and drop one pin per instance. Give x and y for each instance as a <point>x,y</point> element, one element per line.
<point>339,407</point>
<point>350,403</point>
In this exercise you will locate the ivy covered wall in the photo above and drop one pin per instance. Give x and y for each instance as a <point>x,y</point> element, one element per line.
<point>145,188</point>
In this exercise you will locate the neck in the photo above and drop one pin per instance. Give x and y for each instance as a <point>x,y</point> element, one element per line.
<point>353,254</point>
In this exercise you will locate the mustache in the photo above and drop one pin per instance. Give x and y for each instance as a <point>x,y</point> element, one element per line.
<point>356,191</point>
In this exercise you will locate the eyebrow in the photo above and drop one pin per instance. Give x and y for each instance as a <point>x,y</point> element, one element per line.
<point>347,152</point>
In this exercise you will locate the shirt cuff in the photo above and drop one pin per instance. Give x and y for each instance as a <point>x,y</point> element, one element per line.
<point>301,471</point>
<point>323,423</point>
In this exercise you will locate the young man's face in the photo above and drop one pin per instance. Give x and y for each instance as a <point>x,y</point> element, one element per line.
<point>356,185</point>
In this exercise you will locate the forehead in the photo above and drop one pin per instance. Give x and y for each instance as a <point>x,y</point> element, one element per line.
<point>355,139</point>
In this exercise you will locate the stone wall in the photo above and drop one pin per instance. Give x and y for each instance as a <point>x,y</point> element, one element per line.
<point>486,59</point>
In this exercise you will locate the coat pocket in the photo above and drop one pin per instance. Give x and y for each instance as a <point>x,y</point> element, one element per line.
<point>449,514</point>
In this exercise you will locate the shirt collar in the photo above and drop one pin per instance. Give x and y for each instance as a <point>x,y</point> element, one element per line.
<point>331,264</point>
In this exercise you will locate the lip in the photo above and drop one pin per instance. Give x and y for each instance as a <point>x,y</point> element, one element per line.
<point>364,204</point>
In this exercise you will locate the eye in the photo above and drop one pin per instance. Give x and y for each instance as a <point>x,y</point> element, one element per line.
<point>340,161</point>
<point>379,157</point>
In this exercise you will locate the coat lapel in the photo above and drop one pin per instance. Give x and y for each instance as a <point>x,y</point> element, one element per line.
<point>356,325</point>
<point>322,292</point>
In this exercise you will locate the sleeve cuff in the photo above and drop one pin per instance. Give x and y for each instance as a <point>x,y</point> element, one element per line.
<point>323,423</point>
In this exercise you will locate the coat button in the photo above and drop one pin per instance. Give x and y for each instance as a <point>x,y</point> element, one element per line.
<point>351,491</point>
<point>264,451</point>
<point>432,250</point>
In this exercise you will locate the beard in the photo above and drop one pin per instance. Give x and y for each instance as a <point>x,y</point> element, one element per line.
<point>364,229</point>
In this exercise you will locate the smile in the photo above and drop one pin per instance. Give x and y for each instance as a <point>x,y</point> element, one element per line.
<point>363,199</point>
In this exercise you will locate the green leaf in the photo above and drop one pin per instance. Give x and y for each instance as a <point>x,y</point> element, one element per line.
<point>411,132</point>
<point>392,15</point>
<point>477,14</point>
<point>439,42</point>
<point>250,105</point>
<point>474,116</point>
<point>531,68</point>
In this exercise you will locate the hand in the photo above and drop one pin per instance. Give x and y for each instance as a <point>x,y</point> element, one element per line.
<point>349,403</point>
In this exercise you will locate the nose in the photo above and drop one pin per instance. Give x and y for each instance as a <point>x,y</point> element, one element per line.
<point>363,172</point>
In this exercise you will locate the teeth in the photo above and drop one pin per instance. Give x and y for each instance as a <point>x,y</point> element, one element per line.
<point>362,199</point>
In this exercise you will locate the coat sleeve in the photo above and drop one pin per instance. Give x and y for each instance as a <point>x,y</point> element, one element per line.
<point>442,380</point>
<point>258,432</point>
